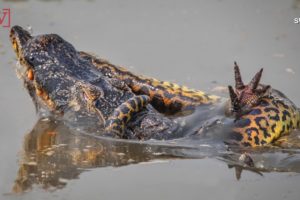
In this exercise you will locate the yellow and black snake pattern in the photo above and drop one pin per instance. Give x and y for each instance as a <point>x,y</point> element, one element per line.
<point>166,97</point>
<point>117,121</point>
<point>267,120</point>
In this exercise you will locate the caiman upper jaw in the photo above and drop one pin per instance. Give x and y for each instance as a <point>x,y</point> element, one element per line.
<point>19,38</point>
<point>246,96</point>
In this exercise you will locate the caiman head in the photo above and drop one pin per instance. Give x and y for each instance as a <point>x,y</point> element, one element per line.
<point>41,67</point>
<point>57,78</point>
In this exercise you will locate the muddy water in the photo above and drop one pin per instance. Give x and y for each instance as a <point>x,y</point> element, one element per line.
<point>192,43</point>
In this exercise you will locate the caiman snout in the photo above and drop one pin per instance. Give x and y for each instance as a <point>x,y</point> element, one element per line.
<point>19,37</point>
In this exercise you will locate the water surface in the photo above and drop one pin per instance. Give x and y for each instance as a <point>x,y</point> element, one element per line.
<point>189,42</point>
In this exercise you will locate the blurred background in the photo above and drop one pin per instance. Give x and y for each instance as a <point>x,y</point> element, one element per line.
<point>189,42</point>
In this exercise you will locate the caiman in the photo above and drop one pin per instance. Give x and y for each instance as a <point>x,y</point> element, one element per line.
<point>67,82</point>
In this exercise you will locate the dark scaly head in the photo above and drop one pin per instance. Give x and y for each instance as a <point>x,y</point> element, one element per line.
<point>44,61</point>
<point>244,97</point>
<point>58,79</point>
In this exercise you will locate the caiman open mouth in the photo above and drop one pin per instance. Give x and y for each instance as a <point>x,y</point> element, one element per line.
<point>19,38</point>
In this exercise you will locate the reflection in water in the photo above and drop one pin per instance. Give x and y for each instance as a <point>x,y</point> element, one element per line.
<point>53,154</point>
<point>267,159</point>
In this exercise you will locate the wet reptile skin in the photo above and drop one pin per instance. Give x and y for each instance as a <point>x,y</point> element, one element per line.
<point>60,81</point>
<point>166,97</point>
<point>266,122</point>
<point>267,117</point>
<point>273,116</point>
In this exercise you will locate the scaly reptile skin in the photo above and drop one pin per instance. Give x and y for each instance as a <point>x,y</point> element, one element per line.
<point>166,97</point>
<point>270,117</point>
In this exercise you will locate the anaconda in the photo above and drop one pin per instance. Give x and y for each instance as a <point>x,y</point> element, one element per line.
<point>64,80</point>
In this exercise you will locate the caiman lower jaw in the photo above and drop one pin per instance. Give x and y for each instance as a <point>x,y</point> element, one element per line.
<point>43,95</point>
<point>38,95</point>
<point>40,98</point>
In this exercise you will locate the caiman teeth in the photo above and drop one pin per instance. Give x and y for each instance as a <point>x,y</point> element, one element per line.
<point>38,91</point>
<point>15,46</point>
<point>30,75</point>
